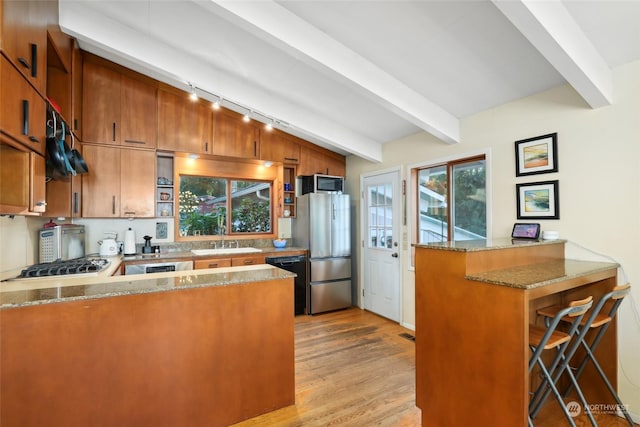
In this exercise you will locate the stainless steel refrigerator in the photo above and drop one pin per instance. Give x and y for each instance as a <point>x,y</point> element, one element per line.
<point>322,225</point>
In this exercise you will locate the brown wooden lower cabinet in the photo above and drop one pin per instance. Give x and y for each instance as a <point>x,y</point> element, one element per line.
<point>473,310</point>
<point>198,357</point>
<point>211,263</point>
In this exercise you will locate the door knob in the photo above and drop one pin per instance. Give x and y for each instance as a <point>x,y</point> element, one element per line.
<point>395,254</point>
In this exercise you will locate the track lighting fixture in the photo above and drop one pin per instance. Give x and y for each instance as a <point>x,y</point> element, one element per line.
<point>193,95</point>
<point>216,103</point>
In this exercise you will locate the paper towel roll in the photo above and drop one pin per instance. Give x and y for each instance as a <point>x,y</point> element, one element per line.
<point>129,242</point>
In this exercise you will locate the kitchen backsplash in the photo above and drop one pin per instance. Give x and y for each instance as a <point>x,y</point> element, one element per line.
<point>19,237</point>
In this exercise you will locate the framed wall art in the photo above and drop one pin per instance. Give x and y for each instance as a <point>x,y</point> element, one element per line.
<point>538,200</point>
<point>537,155</point>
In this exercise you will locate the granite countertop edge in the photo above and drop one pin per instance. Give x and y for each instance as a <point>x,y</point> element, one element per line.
<point>533,276</point>
<point>484,245</point>
<point>144,284</point>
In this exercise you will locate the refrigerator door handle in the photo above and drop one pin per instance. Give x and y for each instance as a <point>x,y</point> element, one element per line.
<point>333,211</point>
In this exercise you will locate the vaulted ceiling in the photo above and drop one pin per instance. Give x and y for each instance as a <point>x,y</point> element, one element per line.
<point>352,75</point>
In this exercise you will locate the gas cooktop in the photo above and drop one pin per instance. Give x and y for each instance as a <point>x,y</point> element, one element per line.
<point>58,268</point>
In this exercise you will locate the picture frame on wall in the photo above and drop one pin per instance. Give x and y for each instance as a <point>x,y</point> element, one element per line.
<point>538,200</point>
<point>537,155</point>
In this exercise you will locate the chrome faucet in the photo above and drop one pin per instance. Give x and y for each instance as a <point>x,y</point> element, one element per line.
<point>222,237</point>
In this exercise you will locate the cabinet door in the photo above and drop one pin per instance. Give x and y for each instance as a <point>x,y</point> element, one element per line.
<point>316,161</point>
<point>247,260</point>
<point>211,263</point>
<point>277,146</point>
<point>101,186</point>
<point>14,180</point>
<point>183,125</point>
<point>138,179</point>
<point>37,182</point>
<point>233,137</point>
<point>76,90</point>
<point>24,37</point>
<point>101,104</point>
<point>22,111</point>
<point>64,196</point>
<point>138,113</point>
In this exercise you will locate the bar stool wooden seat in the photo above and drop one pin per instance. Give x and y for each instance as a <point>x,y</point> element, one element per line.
<point>596,318</point>
<point>541,339</point>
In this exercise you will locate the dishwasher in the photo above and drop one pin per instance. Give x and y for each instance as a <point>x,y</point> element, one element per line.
<point>296,264</point>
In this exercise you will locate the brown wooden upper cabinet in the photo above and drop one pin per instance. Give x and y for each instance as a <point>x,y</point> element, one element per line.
<point>183,125</point>
<point>320,161</point>
<point>24,37</point>
<point>64,77</point>
<point>121,183</point>
<point>233,137</point>
<point>117,108</point>
<point>22,111</point>
<point>279,146</point>
<point>22,181</point>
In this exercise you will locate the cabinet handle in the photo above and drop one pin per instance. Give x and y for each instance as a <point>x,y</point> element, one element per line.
<point>75,202</point>
<point>206,147</point>
<point>131,141</point>
<point>25,117</point>
<point>24,62</point>
<point>293,159</point>
<point>248,261</point>
<point>255,149</point>
<point>34,60</point>
<point>213,265</point>
<point>33,138</point>
<point>114,132</point>
<point>129,212</point>
<point>113,205</point>
<point>75,124</point>
<point>41,203</point>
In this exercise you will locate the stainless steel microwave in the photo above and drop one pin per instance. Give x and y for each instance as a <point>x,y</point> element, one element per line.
<point>321,183</point>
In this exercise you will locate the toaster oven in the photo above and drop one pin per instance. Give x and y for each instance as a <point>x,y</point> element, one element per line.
<point>62,242</point>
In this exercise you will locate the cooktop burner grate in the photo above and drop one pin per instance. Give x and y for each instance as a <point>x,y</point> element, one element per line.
<point>57,268</point>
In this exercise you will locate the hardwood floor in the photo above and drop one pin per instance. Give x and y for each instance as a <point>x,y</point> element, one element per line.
<point>354,369</point>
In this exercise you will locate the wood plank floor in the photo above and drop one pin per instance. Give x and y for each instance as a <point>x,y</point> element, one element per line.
<point>354,369</point>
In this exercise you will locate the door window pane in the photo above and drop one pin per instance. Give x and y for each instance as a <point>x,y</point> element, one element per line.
<point>380,208</point>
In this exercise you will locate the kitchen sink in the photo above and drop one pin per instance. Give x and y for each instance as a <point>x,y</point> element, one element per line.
<point>224,251</point>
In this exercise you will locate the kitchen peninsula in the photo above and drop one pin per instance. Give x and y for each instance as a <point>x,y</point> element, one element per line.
<point>203,347</point>
<point>474,303</point>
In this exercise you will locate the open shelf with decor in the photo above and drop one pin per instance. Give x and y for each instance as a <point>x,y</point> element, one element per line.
<point>289,191</point>
<point>164,186</point>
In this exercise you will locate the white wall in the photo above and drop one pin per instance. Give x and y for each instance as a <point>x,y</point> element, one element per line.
<point>599,186</point>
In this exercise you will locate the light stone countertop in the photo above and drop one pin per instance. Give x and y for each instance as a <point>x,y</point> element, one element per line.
<point>541,274</point>
<point>54,290</point>
<point>486,245</point>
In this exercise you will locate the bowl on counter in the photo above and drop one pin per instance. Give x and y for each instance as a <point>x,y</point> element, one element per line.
<point>279,243</point>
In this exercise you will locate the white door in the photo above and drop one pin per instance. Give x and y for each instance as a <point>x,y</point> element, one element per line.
<point>381,247</point>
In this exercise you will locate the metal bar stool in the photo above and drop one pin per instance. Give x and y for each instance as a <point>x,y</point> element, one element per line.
<point>541,339</point>
<point>596,319</point>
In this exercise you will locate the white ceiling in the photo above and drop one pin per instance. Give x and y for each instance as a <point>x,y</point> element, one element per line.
<point>352,75</point>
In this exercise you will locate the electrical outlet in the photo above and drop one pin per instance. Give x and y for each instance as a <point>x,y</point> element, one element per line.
<point>161,230</point>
